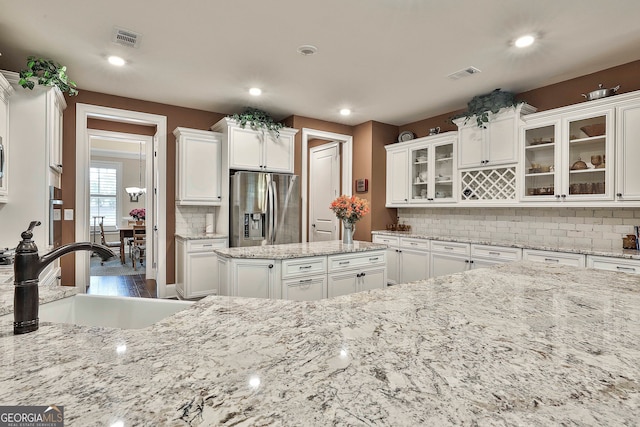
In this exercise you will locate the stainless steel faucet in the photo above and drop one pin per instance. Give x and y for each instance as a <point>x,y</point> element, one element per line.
<point>28,266</point>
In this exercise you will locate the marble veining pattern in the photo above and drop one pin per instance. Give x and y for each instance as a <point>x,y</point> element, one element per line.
<point>299,250</point>
<point>45,294</point>
<point>620,253</point>
<point>513,345</point>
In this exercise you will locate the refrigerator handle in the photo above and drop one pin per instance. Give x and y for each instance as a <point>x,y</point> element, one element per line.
<point>274,192</point>
<point>270,207</point>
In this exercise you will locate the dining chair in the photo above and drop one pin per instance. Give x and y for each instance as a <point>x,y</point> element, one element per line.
<point>104,241</point>
<point>138,245</point>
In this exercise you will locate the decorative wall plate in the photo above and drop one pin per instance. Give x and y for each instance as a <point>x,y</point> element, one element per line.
<point>406,136</point>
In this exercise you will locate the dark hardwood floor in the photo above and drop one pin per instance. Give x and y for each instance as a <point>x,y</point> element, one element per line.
<point>123,286</point>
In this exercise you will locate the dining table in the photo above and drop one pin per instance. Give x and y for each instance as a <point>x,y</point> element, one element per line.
<point>125,232</point>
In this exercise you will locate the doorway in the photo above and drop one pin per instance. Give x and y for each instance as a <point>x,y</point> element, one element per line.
<point>324,187</point>
<point>155,172</point>
<point>346,153</point>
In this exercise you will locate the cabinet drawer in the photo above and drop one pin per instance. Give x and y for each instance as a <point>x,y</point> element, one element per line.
<point>309,289</point>
<point>385,240</point>
<point>501,253</point>
<point>614,264</point>
<point>550,257</point>
<point>450,247</point>
<point>407,242</point>
<point>364,259</point>
<point>204,245</point>
<point>304,266</point>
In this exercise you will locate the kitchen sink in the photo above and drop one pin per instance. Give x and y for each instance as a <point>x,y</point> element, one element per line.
<point>109,311</point>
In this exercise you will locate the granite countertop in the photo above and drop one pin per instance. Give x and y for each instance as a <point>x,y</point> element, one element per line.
<point>45,294</point>
<point>516,344</point>
<point>620,253</point>
<point>200,236</point>
<point>299,250</point>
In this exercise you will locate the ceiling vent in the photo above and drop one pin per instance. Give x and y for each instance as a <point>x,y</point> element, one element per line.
<point>125,37</point>
<point>469,71</point>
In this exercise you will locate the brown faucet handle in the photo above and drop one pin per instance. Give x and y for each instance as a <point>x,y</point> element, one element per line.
<point>28,234</point>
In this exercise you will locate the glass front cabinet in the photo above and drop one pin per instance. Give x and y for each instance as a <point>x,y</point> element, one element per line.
<point>565,158</point>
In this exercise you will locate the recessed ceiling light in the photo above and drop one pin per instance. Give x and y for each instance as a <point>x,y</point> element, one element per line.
<point>255,91</point>
<point>345,111</point>
<point>307,49</point>
<point>524,41</point>
<point>116,60</point>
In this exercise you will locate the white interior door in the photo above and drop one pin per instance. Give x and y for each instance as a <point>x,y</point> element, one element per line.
<point>324,187</point>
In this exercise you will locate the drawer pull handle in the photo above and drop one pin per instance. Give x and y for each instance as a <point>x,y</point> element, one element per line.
<point>494,253</point>
<point>449,248</point>
<point>625,268</point>
<point>304,267</point>
<point>207,246</point>
<point>306,281</point>
<point>551,260</point>
<point>343,263</point>
<point>414,244</point>
<point>374,259</point>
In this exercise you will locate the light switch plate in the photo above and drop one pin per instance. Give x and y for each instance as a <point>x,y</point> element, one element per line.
<point>68,214</point>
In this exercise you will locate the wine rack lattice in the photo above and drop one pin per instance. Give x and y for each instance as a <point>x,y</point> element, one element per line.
<point>489,184</point>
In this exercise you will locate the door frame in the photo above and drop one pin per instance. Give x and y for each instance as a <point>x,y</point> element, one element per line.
<point>156,197</point>
<point>346,178</point>
<point>320,148</point>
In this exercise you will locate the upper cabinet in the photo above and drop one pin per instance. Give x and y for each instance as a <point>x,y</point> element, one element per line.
<point>628,150</point>
<point>55,107</point>
<point>496,144</point>
<point>422,171</point>
<point>198,167</point>
<point>257,150</point>
<point>565,157</point>
<point>5,92</point>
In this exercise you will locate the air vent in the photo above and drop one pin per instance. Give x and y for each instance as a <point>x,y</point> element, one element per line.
<point>125,37</point>
<point>469,71</point>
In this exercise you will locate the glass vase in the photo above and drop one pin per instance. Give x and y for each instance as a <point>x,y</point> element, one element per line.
<point>347,232</point>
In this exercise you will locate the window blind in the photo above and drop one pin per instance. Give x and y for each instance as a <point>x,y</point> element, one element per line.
<point>103,185</point>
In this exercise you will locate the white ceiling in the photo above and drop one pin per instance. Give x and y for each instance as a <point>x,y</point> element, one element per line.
<point>387,60</point>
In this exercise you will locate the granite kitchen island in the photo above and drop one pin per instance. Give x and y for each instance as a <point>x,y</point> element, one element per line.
<point>517,344</point>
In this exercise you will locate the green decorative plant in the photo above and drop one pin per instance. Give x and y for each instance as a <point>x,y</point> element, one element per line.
<point>48,73</point>
<point>480,106</point>
<point>257,119</point>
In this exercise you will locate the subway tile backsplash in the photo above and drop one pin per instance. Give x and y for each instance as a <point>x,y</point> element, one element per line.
<point>585,228</point>
<point>191,219</point>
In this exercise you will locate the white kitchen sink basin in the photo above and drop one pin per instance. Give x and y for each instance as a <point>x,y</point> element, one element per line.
<point>109,311</point>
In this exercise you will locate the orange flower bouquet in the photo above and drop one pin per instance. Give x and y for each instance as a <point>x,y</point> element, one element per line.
<point>349,210</point>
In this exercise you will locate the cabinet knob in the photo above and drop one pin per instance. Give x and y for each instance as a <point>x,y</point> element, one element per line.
<point>618,194</point>
<point>358,275</point>
<point>563,196</point>
<point>466,261</point>
<point>363,274</point>
<point>430,198</point>
<point>270,265</point>
<point>405,200</point>
<point>557,196</point>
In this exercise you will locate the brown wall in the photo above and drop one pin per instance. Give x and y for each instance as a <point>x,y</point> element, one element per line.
<point>176,116</point>
<point>552,96</point>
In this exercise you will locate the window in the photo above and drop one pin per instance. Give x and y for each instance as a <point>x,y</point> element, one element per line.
<point>104,181</point>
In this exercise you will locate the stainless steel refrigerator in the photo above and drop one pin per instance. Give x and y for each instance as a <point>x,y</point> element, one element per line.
<point>264,209</point>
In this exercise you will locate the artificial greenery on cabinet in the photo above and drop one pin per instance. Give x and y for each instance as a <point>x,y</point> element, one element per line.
<point>257,120</point>
<point>47,73</point>
<point>481,105</point>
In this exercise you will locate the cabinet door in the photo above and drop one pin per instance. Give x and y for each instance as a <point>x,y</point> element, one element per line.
<point>245,149</point>
<point>201,274</point>
<point>442,264</point>
<point>310,289</point>
<point>371,279</point>
<point>253,278</point>
<point>471,146</point>
<point>397,177</point>
<point>54,128</point>
<point>278,153</point>
<point>421,175</point>
<point>414,265</point>
<point>4,146</point>
<point>444,172</point>
<point>631,266</point>
<point>199,168</point>
<point>342,284</point>
<point>541,159</point>
<point>501,140</point>
<point>483,263</point>
<point>181,262</point>
<point>393,272</point>
<point>628,152</point>
<point>551,257</point>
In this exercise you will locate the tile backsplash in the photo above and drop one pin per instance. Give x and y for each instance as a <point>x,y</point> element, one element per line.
<point>191,219</point>
<point>587,228</point>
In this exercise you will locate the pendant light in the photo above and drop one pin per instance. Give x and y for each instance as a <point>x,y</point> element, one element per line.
<point>136,192</point>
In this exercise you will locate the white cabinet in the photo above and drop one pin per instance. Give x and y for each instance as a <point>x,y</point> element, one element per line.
<point>198,167</point>
<point>565,156</point>
<point>258,150</point>
<point>305,289</point>
<point>5,92</point>
<point>407,258</point>
<point>454,257</point>
<point>254,278</point>
<point>552,257</point>
<point>348,273</point>
<point>422,172</point>
<point>628,151</point>
<point>496,144</point>
<point>197,267</point>
<point>622,265</point>
<point>55,107</point>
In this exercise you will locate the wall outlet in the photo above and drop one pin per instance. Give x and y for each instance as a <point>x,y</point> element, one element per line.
<point>68,214</point>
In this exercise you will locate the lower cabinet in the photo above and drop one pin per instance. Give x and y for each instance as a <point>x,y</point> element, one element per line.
<point>623,265</point>
<point>197,267</point>
<point>454,257</point>
<point>407,258</point>
<point>303,279</point>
